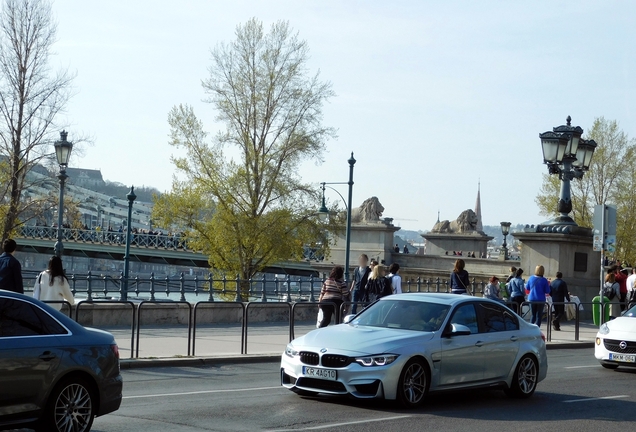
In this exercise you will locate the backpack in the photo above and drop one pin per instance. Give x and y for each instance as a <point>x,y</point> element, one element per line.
<point>609,291</point>
<point>388,286</point>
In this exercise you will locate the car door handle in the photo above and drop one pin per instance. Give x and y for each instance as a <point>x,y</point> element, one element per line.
<point>514,338</point>
<point>47,356</point>
<point>479,344</point>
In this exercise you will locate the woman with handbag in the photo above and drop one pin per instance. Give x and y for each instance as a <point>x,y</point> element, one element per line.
<point>377,286</point>
<point>459,281</point>
<point>52,285</point>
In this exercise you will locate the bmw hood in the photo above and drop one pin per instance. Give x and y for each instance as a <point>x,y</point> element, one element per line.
<point>359,340</point>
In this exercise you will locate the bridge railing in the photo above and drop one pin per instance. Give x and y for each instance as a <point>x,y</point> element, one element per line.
<point>192,289</point>
<point>114,238</point>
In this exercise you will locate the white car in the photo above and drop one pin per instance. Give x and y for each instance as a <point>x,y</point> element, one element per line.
<point>616,341</point>
<point>407,345</point>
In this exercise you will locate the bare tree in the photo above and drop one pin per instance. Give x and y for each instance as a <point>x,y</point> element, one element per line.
<point>31,97</point>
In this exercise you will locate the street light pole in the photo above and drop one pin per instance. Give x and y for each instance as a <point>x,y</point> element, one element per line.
<point>124,289</point>
<point>505,230</point>
<point>323,212</point>
<point>352,162</point>
<point>567,155</point>
<point>62,153</point>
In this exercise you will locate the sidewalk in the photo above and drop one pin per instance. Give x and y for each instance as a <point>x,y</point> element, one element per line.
<point>168,345</point>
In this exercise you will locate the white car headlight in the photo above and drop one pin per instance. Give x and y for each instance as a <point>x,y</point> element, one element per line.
<point>290,351</point>
<point>376,360</point>
<point>604,329</point>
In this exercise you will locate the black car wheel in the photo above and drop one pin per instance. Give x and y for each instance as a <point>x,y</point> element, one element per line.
<point>71,407</point>
<point>413,384</point>
<point>524,380</point>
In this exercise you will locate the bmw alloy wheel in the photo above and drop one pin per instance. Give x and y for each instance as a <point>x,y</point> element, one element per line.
<point>413,382</point>
<point>527,375</point>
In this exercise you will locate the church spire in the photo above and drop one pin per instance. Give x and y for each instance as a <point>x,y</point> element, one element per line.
<point>480,226</point>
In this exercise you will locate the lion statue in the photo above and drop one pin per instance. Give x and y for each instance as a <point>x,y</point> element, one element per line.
<point>370,211</point>
<point>466,223</point>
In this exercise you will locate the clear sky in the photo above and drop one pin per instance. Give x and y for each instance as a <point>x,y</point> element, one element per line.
<point>431,95</point>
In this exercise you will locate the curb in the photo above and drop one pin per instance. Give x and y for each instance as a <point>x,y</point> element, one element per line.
<point>569,345</point>
<point>196,361</point>
<point>268,358</point>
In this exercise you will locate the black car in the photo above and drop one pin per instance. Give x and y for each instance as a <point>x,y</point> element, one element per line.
<point>55,375</point>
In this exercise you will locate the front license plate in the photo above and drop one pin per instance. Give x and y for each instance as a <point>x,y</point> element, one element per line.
<point>623,358</point>
<point>327,374</point>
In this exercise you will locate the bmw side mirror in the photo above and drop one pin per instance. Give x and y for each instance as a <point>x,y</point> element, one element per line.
<point>348,319</point>
<point>458,330</point>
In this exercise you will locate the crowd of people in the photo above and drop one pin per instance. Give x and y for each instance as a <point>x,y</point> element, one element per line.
<point>370,282</point>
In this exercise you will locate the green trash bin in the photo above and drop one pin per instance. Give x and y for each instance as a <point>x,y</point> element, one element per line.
<point>596,310</point>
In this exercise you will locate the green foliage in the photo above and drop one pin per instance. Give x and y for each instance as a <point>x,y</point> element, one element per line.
<point>239,196</point>
<point>611,179</point>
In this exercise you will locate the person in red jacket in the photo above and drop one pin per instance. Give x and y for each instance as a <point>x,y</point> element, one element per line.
<point>621,278</point>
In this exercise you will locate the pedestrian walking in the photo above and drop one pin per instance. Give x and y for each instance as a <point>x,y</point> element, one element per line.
<point>611,290</point>
<point>52,285</point>
<point>334,291</point>
<point>360,278</point>
<point>511,276</point>
<point>394,278</point>
<point>492,290</point>
<point>620,276</point>
<point>631,288</point>
<point>537,288</point>
<point>459,280</point>
<point>377,286</point>
<point>516,289</point>
<point>10,268</point>
<point>559,293</point>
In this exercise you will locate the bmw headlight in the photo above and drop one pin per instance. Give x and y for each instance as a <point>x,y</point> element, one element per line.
<point>604,329</point>
<point>290,351</point>
<point>376,360</point>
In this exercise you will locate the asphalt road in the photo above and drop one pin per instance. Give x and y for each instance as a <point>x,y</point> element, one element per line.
<point>578,394</point>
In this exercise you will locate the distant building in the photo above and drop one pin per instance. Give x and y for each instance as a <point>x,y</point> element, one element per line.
<point>86,178</point>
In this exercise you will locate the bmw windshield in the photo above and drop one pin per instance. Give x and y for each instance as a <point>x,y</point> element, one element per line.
<point>403,314</point>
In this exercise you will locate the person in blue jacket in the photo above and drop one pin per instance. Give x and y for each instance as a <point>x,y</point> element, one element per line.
<point>516,290</point>
<point>537,287</point>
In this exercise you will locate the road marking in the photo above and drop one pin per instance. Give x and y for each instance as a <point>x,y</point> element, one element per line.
<point>334,425</point>
<point>595,399</point>
<point>580,367</point>
<point>201,392</point>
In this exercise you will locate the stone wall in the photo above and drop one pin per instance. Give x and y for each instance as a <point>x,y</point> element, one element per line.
<point>116,315</point>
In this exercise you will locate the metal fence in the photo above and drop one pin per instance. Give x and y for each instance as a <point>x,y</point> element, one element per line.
<point>182,287</point>
<point>115,238</point>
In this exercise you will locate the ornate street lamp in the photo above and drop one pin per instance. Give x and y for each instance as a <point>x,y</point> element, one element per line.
<point>124,289</point>
<point>567,155</point>
<point>63,154</point>
<point>323,211</point>
<point>505,230</point>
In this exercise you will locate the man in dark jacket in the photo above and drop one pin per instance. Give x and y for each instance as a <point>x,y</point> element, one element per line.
<point>559,293</point>
<point>360,277</point>
<point>10,268</point>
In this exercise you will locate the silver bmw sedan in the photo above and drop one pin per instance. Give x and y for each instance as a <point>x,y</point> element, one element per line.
<point>406,345</point>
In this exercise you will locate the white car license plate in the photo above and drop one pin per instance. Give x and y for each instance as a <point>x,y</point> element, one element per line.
<point>623,358</point>
<point>327,374</point>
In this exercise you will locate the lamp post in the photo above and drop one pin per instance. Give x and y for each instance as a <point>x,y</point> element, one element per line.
<point>124,289</point>
<point>567,155</point>
<point>323,212</point>
<point>505,230</point>
<point>63,154</point>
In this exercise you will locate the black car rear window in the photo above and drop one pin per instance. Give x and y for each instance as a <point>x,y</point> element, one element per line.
<point>21,318</point>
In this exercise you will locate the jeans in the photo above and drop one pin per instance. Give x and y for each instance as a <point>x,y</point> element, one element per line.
<point>518,300</point>
<point>537,313</point>
<point>358,296</point>
<point>328,310</point>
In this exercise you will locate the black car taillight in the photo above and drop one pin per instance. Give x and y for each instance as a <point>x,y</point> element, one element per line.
<point>115,349</point>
